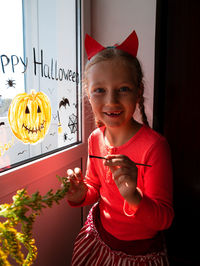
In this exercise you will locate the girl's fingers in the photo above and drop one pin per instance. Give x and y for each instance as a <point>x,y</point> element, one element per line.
<point>75,178</point>
<point>113,169</point>
<point>78,188</point>
<point>70,172</point>
<point>124,177</point>
<point>78,173</point>
<point>121,172</point>
<point>71,176</point>
<point>124,166</point>
<point>116,156</point>
<point>75,175</point>
<point>118,160</point>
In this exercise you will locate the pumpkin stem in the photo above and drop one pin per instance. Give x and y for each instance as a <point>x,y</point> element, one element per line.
<point>33,94</point>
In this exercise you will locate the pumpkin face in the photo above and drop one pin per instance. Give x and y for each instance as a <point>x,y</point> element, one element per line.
<point>29,116</point>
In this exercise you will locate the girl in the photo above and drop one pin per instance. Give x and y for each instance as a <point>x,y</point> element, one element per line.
<point>133,202</point>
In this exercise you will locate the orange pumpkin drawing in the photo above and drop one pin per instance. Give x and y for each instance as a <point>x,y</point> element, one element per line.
<point>29,116</point>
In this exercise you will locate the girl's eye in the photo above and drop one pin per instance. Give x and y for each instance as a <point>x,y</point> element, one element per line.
<point>124,89</point>
<point>99,90</point>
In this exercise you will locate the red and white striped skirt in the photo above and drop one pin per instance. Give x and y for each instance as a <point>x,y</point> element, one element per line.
<point>96,247</point>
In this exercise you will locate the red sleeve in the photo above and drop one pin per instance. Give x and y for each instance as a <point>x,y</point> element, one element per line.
<point>155,209</point>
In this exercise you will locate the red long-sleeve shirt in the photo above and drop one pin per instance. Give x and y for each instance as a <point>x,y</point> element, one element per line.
<point>155,211</point>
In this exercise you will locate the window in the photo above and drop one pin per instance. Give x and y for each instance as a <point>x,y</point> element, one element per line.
<point>11,54</point>
<point>39,56</point>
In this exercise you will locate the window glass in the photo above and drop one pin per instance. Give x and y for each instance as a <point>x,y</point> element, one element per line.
<point>11,53</point>
<point>40,91</point>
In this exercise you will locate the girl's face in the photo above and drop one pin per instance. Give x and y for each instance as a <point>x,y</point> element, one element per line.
<point>112,93</point>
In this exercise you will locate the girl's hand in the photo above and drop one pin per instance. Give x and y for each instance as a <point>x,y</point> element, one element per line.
<point>125,176</point>
<point>78,189</point>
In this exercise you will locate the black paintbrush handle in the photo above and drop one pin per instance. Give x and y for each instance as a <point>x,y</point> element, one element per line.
<point>99,157</point>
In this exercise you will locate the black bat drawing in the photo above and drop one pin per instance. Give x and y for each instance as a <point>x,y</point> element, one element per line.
<point>64,102</point>
<point>19,153</point>
<point>54,117</point>
<point>47,147</point>
<point>2,124</point>
<point>51,90</point>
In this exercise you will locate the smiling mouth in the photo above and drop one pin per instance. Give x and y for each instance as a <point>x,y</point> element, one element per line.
<point>113,114</point>
<point>34,130</point>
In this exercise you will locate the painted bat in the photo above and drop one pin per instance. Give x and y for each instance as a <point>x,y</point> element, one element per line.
<point>64,102</point>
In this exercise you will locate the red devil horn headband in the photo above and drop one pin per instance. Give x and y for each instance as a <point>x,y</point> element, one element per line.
<point>130,45</point>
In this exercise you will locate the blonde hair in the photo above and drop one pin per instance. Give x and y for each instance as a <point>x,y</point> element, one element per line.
<point>113,53</point>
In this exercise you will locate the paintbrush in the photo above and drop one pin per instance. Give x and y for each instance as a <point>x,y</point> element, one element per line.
<point>99,157</point>
<point>59,124</point>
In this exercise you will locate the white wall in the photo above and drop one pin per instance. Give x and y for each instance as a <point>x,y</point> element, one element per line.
<point>114,20</point>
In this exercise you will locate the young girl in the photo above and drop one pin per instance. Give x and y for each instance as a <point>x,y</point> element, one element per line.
<point>131,188</point>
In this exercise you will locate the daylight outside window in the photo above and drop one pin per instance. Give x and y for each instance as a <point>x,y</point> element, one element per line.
<point>40,91</point>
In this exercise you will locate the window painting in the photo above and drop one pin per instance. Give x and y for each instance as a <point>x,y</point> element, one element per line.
<point>40,91</point>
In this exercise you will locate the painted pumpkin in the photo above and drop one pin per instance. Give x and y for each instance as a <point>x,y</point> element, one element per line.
<point>29,116</point>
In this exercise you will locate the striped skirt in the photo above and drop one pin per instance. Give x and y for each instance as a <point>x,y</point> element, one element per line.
<point>96,247</point>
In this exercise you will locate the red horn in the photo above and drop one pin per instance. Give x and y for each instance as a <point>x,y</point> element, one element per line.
<point>92,47</point>
<point>130,45</point>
